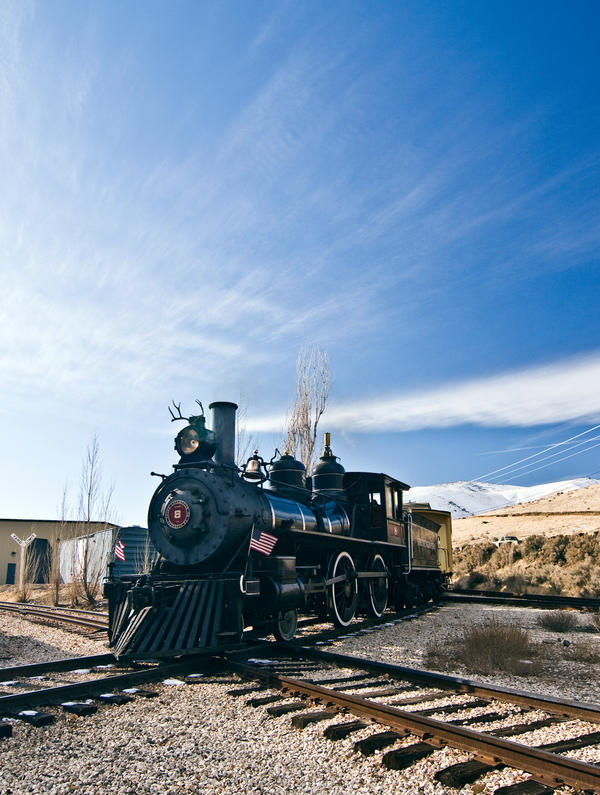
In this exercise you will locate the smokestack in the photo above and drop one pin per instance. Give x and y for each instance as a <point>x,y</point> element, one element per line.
<point>223,424</point>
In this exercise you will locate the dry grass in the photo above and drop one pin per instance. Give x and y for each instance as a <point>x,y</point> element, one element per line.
<point>548,516</point>
<point>488,648</point>
<point>558,621</point>
<point>40,594</point>
<point>23,594</point>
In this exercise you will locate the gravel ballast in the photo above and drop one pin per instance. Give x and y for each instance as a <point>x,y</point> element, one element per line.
<point>196,738</point>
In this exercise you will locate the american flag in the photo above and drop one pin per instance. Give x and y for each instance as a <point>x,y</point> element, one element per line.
<point>262,542</point>
<point>120,550</point>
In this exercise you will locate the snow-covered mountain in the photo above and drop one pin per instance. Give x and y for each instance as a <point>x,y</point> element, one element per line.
<point>468,497</point>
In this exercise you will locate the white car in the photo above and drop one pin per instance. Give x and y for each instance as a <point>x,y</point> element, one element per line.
<point>507,540</point>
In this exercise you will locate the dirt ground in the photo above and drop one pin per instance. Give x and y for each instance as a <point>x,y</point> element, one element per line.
<point>565,513</point>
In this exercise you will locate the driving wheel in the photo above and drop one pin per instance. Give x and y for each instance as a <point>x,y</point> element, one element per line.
<point>378,587</point>
<point>343,590</point>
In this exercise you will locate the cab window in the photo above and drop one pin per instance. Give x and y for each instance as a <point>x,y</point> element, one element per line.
<point>377,513</point>
<point>393,503</point>
<point>390,501</point>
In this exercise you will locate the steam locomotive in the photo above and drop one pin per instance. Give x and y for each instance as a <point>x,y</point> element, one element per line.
<point>257,545</point>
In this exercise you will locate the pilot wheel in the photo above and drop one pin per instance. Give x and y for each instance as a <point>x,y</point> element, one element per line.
<point>285,624</point>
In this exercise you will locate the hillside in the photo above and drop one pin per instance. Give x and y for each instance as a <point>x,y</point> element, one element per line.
<point>467,497</point>
<point>568,513</point>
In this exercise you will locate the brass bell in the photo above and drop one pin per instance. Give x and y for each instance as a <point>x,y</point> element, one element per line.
<point>253,469</point>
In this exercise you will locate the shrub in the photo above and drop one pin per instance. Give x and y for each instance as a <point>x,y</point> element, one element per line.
<point>24,593</point>
<point>553,550</point>
<point>532,545</point>
<point>494,646</point>
<point>583,578</point>
<point>558,621</point>
<point>506,555</point>
<point>472,580</point>
<point>561,565</point>
<point>488,648</point>
<point>582,547</point>
<point>582,652</point>
<point>515,582</point>
<point>474,556</point>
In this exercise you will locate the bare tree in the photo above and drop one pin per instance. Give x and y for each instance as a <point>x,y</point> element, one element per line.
<point>94,503</point>
<point>74,584</point>
<point>144,558</point>
<point>61,532</point>
<point>54,568</point>
<point>312,391</point>
<point>89,480</point>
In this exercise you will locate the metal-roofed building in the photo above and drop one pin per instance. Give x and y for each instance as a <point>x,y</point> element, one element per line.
<point>47,533</point>
<point>136,550</point>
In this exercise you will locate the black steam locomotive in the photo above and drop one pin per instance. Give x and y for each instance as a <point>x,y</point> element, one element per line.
<point>254,546</point>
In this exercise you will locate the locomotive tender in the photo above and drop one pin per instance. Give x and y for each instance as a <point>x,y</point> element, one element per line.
<point>256,545</point>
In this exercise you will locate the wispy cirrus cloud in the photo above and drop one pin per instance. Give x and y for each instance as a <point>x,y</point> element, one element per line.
<point>231,251</point>
<point>563,391</point>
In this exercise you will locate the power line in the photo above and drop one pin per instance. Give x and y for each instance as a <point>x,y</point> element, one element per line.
<point>511,471</point>
<point>558,460</point>
<point>589,475</point>
<point>534,455</point>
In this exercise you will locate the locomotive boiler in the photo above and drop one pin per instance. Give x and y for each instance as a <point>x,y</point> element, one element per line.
<point>253,547</point>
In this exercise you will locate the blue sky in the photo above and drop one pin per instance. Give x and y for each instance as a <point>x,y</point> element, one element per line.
<point>190,192</point>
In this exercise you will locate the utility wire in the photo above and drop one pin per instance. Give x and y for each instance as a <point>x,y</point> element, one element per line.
<point>589,475</point>
<point>557,461</point>
<point>534,455</point>
<point>510,472</point>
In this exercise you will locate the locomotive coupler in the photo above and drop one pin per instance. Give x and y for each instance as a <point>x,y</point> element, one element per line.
<point>142,594</point>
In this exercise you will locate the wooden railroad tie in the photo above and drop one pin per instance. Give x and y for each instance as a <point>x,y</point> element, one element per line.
<point>260,702</point>
<point>376,742</point>
<point>302,721</point>
<point>527,787</point>
<point>405,757</point>
<point>341,730</point>
<point>285,709</point>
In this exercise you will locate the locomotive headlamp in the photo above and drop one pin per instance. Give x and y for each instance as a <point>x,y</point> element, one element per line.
<point>195,442</point>
<point>187,441</point>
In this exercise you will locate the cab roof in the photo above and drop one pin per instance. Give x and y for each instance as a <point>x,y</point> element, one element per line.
<point>376,478</point>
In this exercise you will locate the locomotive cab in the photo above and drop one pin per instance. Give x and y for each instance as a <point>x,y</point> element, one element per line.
<point>379,506</point>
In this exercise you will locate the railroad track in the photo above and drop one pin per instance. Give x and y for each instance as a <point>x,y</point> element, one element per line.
<point>528,600</point>
<point>462,709</point>
<point>419,711</point>
<point>76,683</point>
<point>83,619</point>
<point>98,622</point>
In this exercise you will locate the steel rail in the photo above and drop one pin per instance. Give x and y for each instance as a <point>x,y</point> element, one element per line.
<point>13,703</point>
<point>554,706</point>
<point>543,765</point>
<point>54,608</point>
<point>66,664</point>
<point>505,597</point>
<point>57,614</point>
